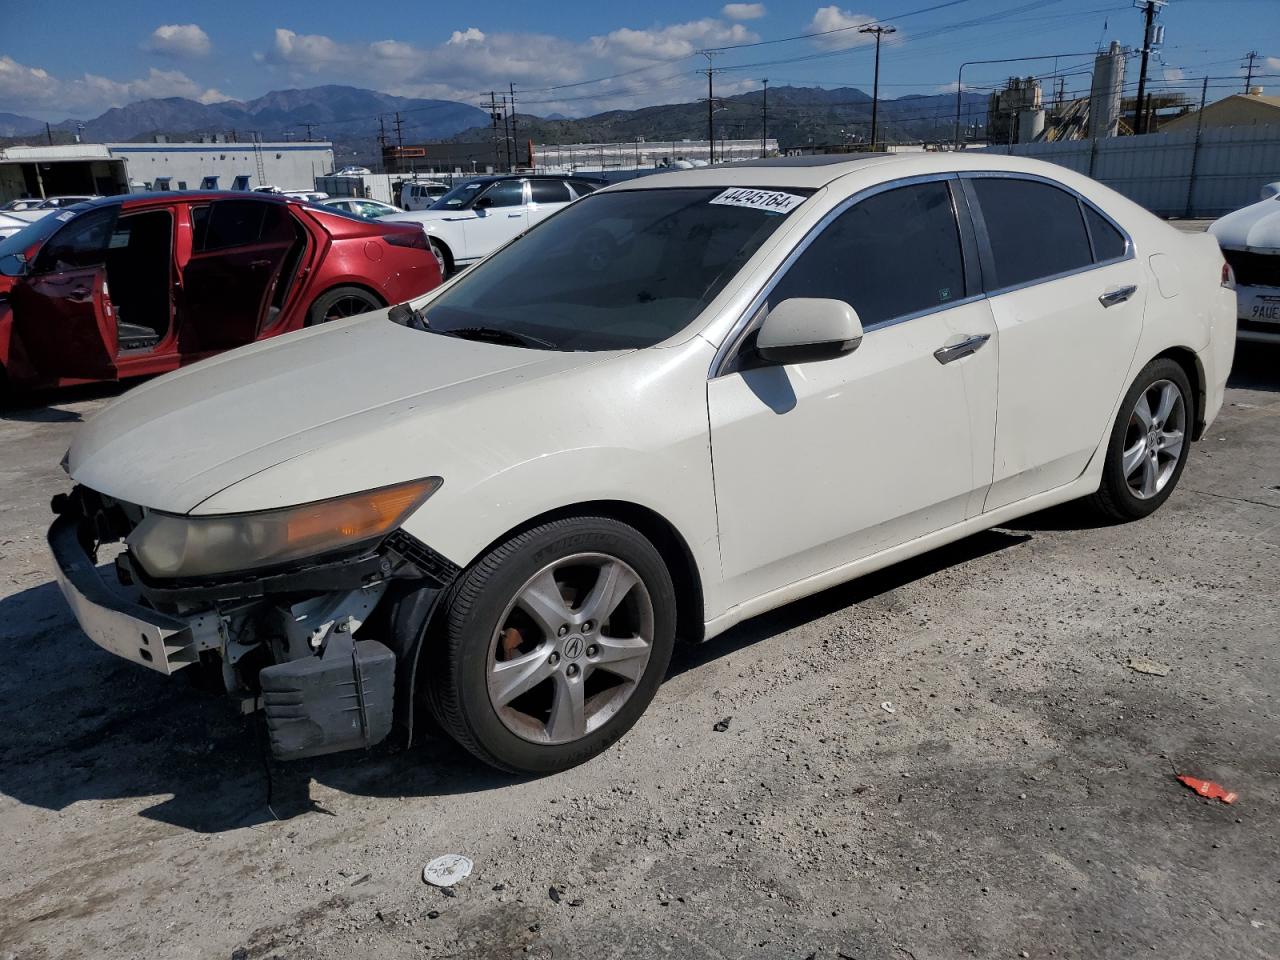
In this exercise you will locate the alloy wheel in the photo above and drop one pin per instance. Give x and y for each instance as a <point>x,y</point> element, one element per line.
<point>345,307</point>
<point>570,648</point>
<point>1154,439</point>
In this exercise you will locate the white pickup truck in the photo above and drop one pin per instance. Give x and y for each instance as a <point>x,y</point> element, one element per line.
<point>481,214</point>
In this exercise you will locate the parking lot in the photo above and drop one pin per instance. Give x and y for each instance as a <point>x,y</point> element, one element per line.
<point>949,758</point>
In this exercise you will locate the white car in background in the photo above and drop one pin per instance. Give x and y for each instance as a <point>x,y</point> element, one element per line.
<point>22,203</point>
<point>482,213</point>
<point>1250,241</point>
<point>362,207</point>
<point>421,194</point>
<point>9,225</point>
<point>682,402</point>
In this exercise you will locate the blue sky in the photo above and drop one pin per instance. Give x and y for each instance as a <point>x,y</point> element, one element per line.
<point>60,59</point>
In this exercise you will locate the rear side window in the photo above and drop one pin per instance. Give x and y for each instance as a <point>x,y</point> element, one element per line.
<point>81,243</point>
<point>237,223</point>
<point>1108,242</point>
<point>1036,230</point>
<point>893,254</point>
<point>583,187</point>
<point>549,191</point>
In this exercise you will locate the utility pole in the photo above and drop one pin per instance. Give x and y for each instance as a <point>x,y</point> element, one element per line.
<point>399,133</point>
<point>764,120</point>
<point>493,115</point>
<point>506,132</point>
<point>879,30</point>
<point>515,141</point>
<point>711,104</point>
<point>1149,8</point>
<point>309,126</point>
<point>382,142</point>
<point>1251,56</point>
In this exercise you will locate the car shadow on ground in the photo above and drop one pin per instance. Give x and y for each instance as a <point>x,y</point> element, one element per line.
<point>49,406</point>
<point>1256,367</point>
<point>80,724</point>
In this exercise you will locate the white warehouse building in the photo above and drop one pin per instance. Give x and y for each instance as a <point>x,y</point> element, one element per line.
<point>109,168</point>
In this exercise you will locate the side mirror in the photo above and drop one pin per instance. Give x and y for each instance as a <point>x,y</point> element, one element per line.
<point>483,203</point>
<point>805,329</point>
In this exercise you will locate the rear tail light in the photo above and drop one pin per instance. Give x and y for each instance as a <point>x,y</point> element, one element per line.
<point>417,239</point>
<point>1228,276</point>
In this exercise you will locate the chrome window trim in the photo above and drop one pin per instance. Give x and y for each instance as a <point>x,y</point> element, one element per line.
<point>747,321</point>
<point>980,224</point>
<point>972,213</point>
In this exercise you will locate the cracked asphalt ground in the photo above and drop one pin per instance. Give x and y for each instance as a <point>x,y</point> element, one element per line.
<point>1019,801</point>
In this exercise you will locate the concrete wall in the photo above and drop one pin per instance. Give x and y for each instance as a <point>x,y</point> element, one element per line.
<point>289,166</point>
<point>1173,174</point>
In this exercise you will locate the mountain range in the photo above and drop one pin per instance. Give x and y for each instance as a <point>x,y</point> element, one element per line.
<point>350,117</point>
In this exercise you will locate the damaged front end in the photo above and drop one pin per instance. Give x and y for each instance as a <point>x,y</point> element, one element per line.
<point>326,644</point>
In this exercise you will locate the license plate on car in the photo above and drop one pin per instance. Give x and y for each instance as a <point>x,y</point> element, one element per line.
<point>1266,312</point>
<point>1259,304</point>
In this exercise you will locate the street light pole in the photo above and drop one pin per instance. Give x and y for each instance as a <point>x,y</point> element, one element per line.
<point>879,31</point>
<point>764,120</point>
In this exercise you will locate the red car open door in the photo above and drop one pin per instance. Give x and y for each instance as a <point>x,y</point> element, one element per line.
<point>62,309</point>
<point>238,248</point>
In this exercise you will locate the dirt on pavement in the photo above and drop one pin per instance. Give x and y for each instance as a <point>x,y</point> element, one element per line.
<point>1018,801</point>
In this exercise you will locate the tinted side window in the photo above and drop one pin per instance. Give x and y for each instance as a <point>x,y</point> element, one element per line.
<point>1036,230</point>
<point>549,191</point>
<point>893,254</point>
<point>506,193</point>
<point>237,223</point>
<point>583,187</point>
<point>1108,242</point>
<point>81,243</point>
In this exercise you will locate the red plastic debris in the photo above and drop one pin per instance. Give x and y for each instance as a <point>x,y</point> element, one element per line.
<point>1207,788</point>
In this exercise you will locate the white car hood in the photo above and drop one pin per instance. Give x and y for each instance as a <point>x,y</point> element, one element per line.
<point>175,442</point>
<point>1255,228</point>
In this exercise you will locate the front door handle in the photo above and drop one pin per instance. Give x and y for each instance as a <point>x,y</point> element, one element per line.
<point>512,216</point>
<point>1117,295</point>
<point>962,349</point>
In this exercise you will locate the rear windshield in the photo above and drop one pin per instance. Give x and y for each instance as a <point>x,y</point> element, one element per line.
<point>614,270</point>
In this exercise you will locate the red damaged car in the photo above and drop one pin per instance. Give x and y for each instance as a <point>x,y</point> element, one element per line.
<point>139,284</point>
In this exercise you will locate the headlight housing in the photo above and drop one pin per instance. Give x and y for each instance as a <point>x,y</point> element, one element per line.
<point>167,545</point>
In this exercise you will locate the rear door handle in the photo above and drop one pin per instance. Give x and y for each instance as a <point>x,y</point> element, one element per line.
<point>962,349</point>
<point>512,216</point>
<point>1117,295</point>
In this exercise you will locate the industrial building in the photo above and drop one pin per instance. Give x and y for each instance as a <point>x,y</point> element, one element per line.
<point>110,168</point>
<point>642,154</point>
<point>1239,110</point>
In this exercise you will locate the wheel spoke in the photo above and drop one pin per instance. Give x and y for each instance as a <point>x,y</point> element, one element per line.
<point>542,600</point>
<point>1172,443</point>
<point>1142,410</point>
<point>612,586</point>
<point>1168,397</point>
<point>568,720</point>
<point>624,656</point>
<point>1150,474</point>
<point>512,678</point>
<point>1134,457</point>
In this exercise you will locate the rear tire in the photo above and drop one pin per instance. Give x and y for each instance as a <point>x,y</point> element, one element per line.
<point>340,303</point>
<point>1149,443</point>
<point>553,644</point>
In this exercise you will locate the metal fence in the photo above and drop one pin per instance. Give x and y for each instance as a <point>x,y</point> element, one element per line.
<point>1185,174</point>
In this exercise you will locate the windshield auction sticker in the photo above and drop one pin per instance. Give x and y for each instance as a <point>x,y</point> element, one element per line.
<point>770,201</point>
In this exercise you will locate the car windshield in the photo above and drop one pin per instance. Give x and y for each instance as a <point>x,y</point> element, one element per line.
<point>613,271</point>
<point>459,196</point>
<point>13,248</point>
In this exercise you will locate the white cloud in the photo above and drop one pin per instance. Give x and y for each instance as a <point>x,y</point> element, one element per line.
<point>469,35</point>
<point>1173,73</point>
<point>472,62</point>
<point>1273,63</point>
<point>179,40</point>
<point>743,11</point>
<point>828,19</point>
<point>24,88</point>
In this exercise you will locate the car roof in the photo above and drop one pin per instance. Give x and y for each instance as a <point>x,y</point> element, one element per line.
<point>171,196</point>
<point>815,172</point>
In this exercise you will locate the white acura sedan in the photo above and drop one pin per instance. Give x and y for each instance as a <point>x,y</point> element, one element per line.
<point>680,402</point>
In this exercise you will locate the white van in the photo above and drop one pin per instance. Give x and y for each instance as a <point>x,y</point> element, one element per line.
<point>420,194</point>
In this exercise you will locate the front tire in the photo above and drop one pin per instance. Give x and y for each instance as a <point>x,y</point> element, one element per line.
<point>553,645</point>
<point>1149,443</point>
<point>443,260</point>
<point>340,303</point>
